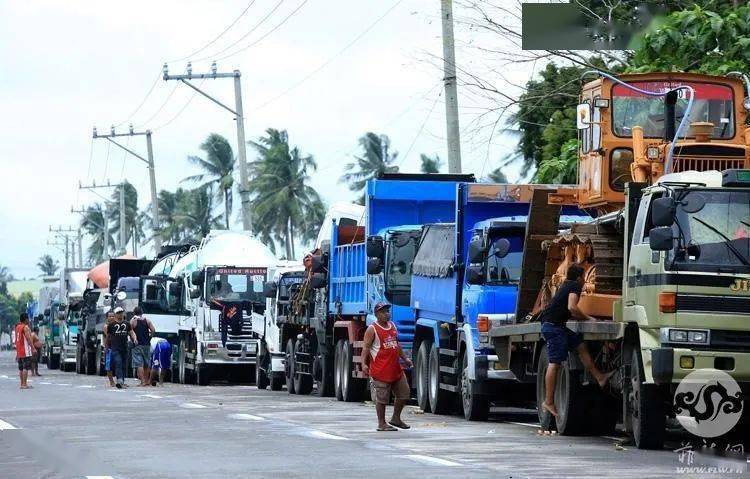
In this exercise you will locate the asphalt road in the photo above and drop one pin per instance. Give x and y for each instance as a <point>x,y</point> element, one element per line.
<point>74,426</point>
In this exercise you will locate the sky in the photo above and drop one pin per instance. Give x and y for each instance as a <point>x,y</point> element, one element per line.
<point>331,71</point>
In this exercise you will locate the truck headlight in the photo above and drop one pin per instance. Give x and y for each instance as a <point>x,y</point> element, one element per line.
<point>685,336</point>
<point>251,348</point>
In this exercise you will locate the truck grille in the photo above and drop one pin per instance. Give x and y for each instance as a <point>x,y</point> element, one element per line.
<point>713,304</point>
<point>708,157</point>
<point>725,340</point>
<point>246,333</point>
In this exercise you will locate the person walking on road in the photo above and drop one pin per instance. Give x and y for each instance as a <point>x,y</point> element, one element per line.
<point>381,355</point>
<point>117,334</point>
<point>143,329</point>
<point>38,355</point>
<point>24,349</point>
<point>161,360</point>
<point>560,339</point>
<point>108,350</point>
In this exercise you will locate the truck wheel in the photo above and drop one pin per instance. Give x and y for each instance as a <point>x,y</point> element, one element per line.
<point>53,361</point>
<point>91,363</point>
<point>570,398</point>
<point>352,388</point>
<point>645,407</point>
<point>289,366</point>
<point>303,382</point>
<point>80,366</point>
<point>337,368</point>
<point>325,385</point>
<point>439,398</point>
<point>182,371</point>
<point>261,376</point>
<point>476,407</point>
<point>202,374</point>
<point>277,381</point>
<point>422,375</point>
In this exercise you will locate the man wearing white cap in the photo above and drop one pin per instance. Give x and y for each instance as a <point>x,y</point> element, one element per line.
<point>117,335</point>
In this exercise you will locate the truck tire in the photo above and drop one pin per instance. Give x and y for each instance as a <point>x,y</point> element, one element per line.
<point>439,398</point>
<point>80,365</point>
<point>475,407</point>
<point>261,376</point>
<point>91,364</point>
<point>289,366</point>
<point>570,398</point>
<point>182,371</point>
<point>202,374</point>
<point>303,382</point>
<point>337,367</point>
<point>53,361</point>
<point>645,407</point>
<point>100,363</point>
<point>277,381</point>
<point>352,389</point>
<point>325,385</point>
<point>421,380</point>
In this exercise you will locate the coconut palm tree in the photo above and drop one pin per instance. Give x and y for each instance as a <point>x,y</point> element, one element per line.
<point>131,212</point>
<point>375,160</point>
<point>47,265</point>
<point>194,214</point>
<point>285,208</point>
<point>218,167</point>
<point>496,176</point>
<point>95,225</point>
<point>430,165</point>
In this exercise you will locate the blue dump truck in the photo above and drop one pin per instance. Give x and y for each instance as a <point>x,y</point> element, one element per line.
<point>464,270</point>
<point>360,265</point>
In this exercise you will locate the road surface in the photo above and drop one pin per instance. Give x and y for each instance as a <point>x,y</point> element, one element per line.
<point>74,426</point>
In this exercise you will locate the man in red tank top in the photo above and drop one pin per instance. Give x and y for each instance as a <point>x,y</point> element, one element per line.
<point>380,359</point>
<point>24,349</point>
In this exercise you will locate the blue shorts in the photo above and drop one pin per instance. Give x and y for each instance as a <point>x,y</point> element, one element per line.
<point>559,340</point>
<point>161,357</point>
<point>107,360</point>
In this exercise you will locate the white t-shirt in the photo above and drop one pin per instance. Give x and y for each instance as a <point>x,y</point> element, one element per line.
<point>156,340</point>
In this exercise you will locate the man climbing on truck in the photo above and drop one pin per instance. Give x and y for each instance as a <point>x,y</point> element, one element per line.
<point>381,356</point>
<point>560,339</point>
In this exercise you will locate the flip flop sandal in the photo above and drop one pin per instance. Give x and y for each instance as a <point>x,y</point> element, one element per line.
<point>400,425</point>
<point>386,428</point>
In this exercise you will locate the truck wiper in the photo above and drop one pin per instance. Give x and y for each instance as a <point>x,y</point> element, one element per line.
<point>727,241</point>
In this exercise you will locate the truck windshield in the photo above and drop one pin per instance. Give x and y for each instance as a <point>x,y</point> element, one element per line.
<point>400,258</point>
<point>717,237</point>
<point>287,282</point>
<point>713,103</point>
<point>236,284</point>
<point>508,269</point>
<point>156,297</point>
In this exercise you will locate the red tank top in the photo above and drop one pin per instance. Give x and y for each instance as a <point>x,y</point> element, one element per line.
<point>23,348</point>
<point>385,364</point>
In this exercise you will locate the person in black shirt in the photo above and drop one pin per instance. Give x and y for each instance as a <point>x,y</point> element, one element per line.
<point>117,335</point>
<point>560,339</point>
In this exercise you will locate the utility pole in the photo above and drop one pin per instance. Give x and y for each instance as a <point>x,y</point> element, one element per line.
<point>247,223</point>
<point>93,186</point>
<point>64,233</point>
<point>451,95</point>
<point>149,160</point>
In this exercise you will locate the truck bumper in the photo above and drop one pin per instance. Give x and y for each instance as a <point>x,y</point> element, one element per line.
<point>278,361</point>
<point>667,363</point>
<point>246,353</point>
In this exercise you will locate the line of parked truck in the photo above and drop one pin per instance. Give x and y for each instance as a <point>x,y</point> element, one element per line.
<point>660,224</point>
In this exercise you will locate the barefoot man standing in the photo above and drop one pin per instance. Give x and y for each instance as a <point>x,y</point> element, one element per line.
<point>380,359</point>
<point>560,339</point>
<point>24,349</point>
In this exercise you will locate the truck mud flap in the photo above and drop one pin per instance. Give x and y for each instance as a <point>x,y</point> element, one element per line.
<point>662,365</point>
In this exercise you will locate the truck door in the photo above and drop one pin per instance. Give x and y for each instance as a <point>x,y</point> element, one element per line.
<point>643,264</point>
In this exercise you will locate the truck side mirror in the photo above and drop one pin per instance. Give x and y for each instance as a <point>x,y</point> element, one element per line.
<point>660,238</point>
<point>197,278</point>
<point>663,211</point>
<point>195,293</point>
<point>476,250</point>
<point>502,248</point>
<point>475,274</point>
<point>375,247</point>
<point>374,266</point>
<point>269,289</point>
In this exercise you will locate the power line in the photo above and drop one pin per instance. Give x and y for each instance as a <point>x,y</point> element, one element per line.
<point>247,34</point>
<point>242,14</point>
<point>419,132</point>
<point>179,112</point>
<point>156,113</point>
<point>263,37</point>
<point>143,102</point>
<point>331,59</point>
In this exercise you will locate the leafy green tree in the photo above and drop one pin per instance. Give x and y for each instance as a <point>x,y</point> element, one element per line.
<point>375,160</point>
<point>47,265</point>
<point>430,164</point>
<point>561,168</point>
<point>713,38</point>
<point>285,207</point>
<point>194,213</point>
<point>218,167</point>
<point>131,212</point>
<point>496,176</point>
<point>95,226</point>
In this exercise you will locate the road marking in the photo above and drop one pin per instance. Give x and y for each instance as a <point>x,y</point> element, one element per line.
<point>192,405</point>
<point>527,424</point>
<point>246,417</point>
<point>431,461</point>
<point>61,384</point>
<point>325,435</point>
<point>85,386</point>
<point>99,477</point>
<point>4,426</point>
<point>4,376</point>
<point>152,396</point>
<point>45,382</point>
